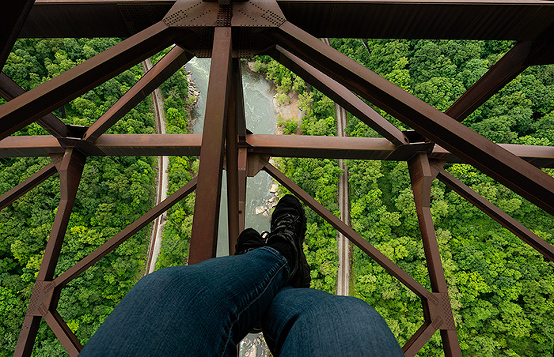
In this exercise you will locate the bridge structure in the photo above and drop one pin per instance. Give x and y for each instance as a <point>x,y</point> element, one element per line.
<point>289,31</point>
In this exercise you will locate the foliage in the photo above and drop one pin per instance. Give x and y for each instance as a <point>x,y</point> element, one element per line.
<point>113,192</point>
<point>502,291</point>
<point>289,125</point>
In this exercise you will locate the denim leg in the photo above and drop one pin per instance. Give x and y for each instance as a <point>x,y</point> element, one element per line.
<point>199,310</point>
<point>308,322</point>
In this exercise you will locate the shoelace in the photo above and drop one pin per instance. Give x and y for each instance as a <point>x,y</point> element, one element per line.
<point>286,222</point>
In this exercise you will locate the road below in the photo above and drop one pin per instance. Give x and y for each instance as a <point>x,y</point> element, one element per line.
<point>343,244</point>
<point>343,278</point>
<point>161,180</point>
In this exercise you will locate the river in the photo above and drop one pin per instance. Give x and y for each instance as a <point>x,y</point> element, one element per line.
<point>261,118</point>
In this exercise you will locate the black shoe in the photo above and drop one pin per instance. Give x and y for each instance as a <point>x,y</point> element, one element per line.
<point>288,229</point>
<point>248,240</point>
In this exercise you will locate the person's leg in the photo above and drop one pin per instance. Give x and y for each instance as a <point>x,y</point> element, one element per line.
<point>199,310</point>
<point>308,322</point>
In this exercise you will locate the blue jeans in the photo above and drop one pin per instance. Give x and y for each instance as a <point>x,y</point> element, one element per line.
<point>206,309</point>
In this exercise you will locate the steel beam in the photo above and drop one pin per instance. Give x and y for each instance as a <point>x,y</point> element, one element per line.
<point>340,95</point>
<point>422,176</point>
<point>203,241</point>
<point>321,146</point>
<point>165,68</point>
<point>242,173</point>
<point>58,91</point>
<point>273,145</point>
<point>349,233</point>
<point>125,234</point>
<point>10,90</point>
<point>70,169</point>
<point>389,19</point>
<point>231,153</point>
<point>12,17</point>
<point>242,156</point>
<point>64,334</point>
<point>28,184</point>
<point>418,340</point>
<point>506,168</point>
<point>497,214</point>
<point>506,69</point>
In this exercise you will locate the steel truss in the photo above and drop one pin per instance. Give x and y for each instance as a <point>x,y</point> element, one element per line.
<point>227,31</point>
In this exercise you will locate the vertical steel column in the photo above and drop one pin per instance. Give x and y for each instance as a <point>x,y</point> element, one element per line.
<point>422,178</point>
<point>203,240</point>
<point>242,154</point>
<point>232,158</point>
<point>70,169</point>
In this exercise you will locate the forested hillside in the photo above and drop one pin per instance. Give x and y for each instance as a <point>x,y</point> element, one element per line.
<point>113,192</point>
<point>502,290</point>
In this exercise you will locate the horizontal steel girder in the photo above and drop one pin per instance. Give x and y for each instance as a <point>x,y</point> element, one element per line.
<point>459,19</point>
<point>272,145</point>
<point>203,240</point>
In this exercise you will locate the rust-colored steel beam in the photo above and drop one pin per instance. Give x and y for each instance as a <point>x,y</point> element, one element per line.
<point>340,95</point>
<point>231,153</point>
<point>70,169</point>
<point>349,233</point>
<point>12,17</point>
<point>10,90</point>
<point>165,68</point>
<point>506,69</point>
<point>203,241</point>
<point>122,236</point>
<point>30,146</point>
<point>539,156</point>
<point>242,172</point>
<point>506,168</point>
<point>64,334</point>
<point>497,214</point>
<point>422,177</point>
<point>418,340</point>
<point>242,155</point>
<point>273,145</point>
<point>320,146</point>
<point>389,19</point>
<point>149,144</point>
<point>28,184</point>
<point>58,91</point>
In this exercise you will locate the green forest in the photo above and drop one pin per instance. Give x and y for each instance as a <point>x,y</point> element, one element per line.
<point>113,192</point>
<point>502,290</point>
